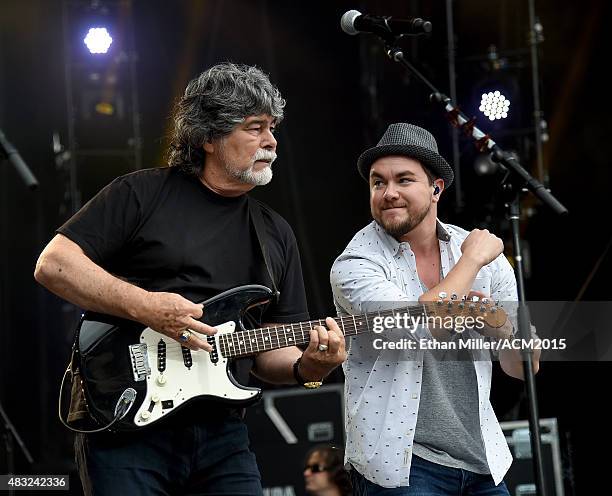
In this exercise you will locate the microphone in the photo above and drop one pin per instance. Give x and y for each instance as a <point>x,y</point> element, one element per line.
<point>354,22</point>
<point>10,153</point>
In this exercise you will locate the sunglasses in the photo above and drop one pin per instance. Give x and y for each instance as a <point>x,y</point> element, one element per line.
<point>315,468</point>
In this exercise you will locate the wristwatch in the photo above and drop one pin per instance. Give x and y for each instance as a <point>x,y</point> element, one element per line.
<point>300,380</point>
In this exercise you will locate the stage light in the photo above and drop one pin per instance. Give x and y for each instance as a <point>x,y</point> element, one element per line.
<point>105,108</point>
<point>484,165</point>
<point>98,40</point>
<point>494,105</point>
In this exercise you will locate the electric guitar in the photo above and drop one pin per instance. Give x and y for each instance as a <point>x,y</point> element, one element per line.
<point>133,376</point>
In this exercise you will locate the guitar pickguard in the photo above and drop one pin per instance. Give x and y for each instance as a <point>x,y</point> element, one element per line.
<point>178,374</point>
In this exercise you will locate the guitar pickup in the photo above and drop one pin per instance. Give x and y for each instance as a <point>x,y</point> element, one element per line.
<point>213,355</point>
<point>187,359</point>
<point>140,361</point>
<point>167,404</point>
<point>161,356</point>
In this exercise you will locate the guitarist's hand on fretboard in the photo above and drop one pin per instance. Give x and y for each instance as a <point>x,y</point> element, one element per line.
<point>174,316</point>
<point>316,364</point>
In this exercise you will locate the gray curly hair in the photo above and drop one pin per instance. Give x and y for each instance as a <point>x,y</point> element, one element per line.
<point>213,104</point>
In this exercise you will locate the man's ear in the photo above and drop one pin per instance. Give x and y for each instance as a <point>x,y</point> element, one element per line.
<point>209,147</point>
<point>438,187</point>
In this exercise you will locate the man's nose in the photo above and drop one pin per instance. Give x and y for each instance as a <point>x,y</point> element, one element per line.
<point>268,140</point>
<point>390,192</point>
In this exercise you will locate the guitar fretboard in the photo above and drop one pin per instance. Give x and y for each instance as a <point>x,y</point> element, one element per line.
<point>249,342</point>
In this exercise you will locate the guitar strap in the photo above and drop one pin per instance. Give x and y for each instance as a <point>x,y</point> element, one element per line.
<point>256,216</point>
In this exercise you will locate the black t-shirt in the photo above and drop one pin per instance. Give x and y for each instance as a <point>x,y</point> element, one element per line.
<point>163,230</point>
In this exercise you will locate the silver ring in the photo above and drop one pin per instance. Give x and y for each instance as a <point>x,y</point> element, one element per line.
<point>185,335</point>
<point>323,347</point>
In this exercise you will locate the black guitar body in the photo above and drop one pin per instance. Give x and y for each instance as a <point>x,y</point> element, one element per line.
<point>116,354</point>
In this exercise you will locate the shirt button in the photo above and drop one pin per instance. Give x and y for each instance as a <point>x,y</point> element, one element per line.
<point>414,396</point>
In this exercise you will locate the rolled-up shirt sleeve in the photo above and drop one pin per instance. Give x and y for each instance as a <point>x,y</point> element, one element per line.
<point>360,284</point>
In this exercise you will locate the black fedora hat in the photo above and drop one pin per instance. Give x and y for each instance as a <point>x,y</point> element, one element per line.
<point>410,141</point>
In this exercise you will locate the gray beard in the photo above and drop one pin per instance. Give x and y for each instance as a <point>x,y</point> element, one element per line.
<point>250,176</point>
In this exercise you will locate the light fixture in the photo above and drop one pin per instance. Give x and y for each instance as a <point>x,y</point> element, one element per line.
<point>484,165</point>
<point>98,40</point>
<point>494,105</point>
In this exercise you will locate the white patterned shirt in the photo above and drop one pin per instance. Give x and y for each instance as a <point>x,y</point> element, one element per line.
<point>382,388</point>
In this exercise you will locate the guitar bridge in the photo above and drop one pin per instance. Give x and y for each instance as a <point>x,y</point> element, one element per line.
<point>140,361</point>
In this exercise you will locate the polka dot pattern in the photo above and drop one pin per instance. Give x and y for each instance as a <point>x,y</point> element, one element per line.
<point>382,388</point>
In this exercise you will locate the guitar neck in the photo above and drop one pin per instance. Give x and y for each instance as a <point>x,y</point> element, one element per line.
<point>249,342</point>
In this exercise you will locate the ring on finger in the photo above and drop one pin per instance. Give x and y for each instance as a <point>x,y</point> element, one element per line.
<point>185,335</point>
<point>323,347</point>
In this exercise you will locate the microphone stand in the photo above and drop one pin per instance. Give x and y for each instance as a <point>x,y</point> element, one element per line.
<point>7,431</point>
<point>516,180</point>
<point>8,434</point>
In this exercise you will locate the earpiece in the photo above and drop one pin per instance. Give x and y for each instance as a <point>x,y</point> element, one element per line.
<point>436,190</point>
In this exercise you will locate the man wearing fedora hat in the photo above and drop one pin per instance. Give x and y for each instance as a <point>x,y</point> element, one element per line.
<point>417,424</point>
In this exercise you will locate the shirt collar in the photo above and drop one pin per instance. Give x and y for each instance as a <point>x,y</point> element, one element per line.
<point>441,231</point>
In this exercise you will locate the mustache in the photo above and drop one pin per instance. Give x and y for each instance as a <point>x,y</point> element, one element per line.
<point>263,154</point>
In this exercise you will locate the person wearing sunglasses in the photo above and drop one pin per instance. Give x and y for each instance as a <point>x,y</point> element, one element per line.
<point>324,473</point>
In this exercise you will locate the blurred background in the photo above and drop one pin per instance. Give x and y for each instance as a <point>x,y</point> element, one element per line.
<point>79,119</point>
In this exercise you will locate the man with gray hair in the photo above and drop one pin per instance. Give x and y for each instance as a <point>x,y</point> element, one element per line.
<point>154,242</point>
